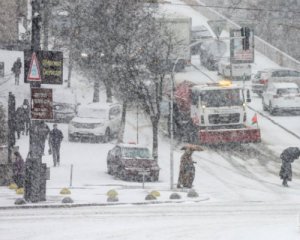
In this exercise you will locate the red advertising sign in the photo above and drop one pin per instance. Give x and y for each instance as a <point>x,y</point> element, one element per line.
<point>238,53</point>
<point>41,104</point>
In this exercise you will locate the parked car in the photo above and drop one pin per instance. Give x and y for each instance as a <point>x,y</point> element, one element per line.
<point>235,71</point>
<point>258,82</point>
<point>95,121</point>
<point>261,79</point>
<point>64,105</point>
<point>281,96</point>
<point>131,162</point>
<point>211,52</point>
<point>199,32</point>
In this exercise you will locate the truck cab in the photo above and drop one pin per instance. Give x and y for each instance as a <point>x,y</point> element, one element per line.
<point>214,113</point>
<point>218,105</point>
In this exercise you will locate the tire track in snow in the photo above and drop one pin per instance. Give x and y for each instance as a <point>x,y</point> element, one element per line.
<point>275,123</point>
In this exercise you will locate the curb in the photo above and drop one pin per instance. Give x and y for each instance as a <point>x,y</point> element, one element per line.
<point>96,204</point>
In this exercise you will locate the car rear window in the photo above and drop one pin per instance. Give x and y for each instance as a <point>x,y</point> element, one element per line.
<point>136,152</point>
<point>284,91</point>
<point>286,73</point>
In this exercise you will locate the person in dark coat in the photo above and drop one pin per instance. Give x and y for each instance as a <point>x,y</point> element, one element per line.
<point>55,139</point>
<point>43,132</point>
<point>287,157</point>
<point>19,121</point>
<point>187,168</point>
<point>18,170</point>
<point>16,69</point>
<point>26,109</point>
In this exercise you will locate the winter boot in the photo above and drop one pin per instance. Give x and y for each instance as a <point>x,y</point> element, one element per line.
<point>284,183</point>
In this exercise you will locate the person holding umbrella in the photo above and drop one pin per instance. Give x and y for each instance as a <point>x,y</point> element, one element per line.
<point>187,168</point>
<point>287,157</point>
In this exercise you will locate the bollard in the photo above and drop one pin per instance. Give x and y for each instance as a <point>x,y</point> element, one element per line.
<point>71,175</point>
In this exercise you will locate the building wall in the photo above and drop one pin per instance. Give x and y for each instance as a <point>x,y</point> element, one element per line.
<point>10,12</point>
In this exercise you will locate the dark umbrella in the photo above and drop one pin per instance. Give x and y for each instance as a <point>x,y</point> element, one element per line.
<point>192,147</point>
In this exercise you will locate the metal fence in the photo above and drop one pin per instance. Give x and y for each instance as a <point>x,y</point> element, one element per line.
<point>265,48</point>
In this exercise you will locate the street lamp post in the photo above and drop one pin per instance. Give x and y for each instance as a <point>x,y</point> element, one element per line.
<point>172,118</point>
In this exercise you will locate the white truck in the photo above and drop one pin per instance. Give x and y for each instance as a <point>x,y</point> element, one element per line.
<point>235,71</point>
<point>179,27</point>
<point>213,113</point>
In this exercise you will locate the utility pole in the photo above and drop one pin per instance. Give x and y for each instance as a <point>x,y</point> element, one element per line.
<point>46,13</point>
<point>35,46</point>
<point>34,173</point>
<point>11,125</point>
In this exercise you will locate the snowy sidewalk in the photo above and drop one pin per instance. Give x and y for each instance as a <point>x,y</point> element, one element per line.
<point>97,196</point>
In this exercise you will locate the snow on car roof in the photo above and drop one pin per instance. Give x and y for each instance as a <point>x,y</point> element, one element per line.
<point>99,105</point>
<point>285,85</point>
<point>277,69</point>
<point>131,145</point>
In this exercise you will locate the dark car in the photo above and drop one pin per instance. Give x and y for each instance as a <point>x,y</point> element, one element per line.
<point>199,33</point>
<point>131,162</point>
<point>64,112</point>
<point>211,52</point>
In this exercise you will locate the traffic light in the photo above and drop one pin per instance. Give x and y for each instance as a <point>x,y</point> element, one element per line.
<point>245,33</point>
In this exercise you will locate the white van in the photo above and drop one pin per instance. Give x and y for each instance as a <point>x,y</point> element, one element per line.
<point>235,72</point>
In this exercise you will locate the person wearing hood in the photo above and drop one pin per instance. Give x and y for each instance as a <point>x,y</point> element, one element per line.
<point>287,157</point>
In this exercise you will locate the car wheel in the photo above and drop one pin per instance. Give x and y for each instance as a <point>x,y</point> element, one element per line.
<point>97,139</point>
<point>120,173</point>
<point>154,178</point>
<point>264,105</point>
<point>106,137</point>
<point>70,138</point>
<point>271,109</point>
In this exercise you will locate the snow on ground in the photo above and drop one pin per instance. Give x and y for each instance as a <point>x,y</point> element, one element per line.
<point>240,196</point>
<point>187,221</point>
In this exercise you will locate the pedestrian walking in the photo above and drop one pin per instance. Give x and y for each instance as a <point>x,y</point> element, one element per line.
<point>18,170</point>
<point>187,168</point>
<point>44,131</point>
<point>26,109</point>
<point>287,157</point>
<point>55,139</point>
<point>20,121</point>
<point>16,69</point>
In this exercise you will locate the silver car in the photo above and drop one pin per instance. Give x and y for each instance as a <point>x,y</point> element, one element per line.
<point>96,122</point>
<point>262,77</point>
<point>281,96</point>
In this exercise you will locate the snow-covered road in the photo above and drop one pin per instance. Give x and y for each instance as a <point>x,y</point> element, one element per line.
<point>230,221</point>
